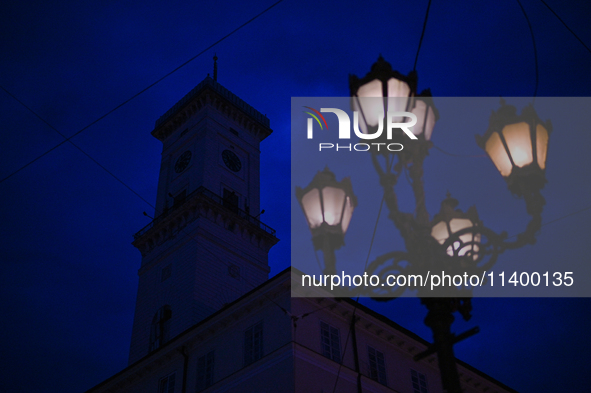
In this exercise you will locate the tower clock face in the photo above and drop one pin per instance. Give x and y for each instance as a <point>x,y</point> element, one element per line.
<point>182,162</point>
<point>231,160</point>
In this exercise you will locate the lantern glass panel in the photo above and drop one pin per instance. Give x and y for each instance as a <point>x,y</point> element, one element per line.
<point>495,149</point>
<point>429,123</point>
<point>398,92</point>
<point>312,209</point>
<point>371,102</point>
<point>333,199</point>
<point>457,224</point>
<point>419,111</point>
<point>425,119</point>
<point>518,140</point>
<point>347,214</point>
<point>375,106</point>
<point>439,232</point>
<point>541,145</point>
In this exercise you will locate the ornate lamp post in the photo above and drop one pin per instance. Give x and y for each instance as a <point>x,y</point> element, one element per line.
<point>453,241</point>
<point>328,206</point>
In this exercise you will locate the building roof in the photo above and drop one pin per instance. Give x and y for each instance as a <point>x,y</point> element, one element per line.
<point>218,88</point>
<point>285,276</point>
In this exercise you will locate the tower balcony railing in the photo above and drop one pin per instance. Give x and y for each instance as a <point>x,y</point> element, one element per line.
<point>213,197</point>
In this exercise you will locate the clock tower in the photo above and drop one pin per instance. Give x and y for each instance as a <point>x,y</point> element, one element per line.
<point>206,246</point>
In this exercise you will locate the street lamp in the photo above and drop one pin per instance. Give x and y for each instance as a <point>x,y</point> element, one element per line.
<point>328,206</point>
<point>381,91</point>
<point>453,240</point>
<point>450,221</point>
<point>385,90</point>
<point>518,145</point>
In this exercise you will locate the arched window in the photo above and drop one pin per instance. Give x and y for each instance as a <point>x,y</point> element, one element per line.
<point>160,330</point>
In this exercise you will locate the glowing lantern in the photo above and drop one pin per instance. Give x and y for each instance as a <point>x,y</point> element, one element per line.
<point>449,221</point>
<point>328,206</point>
<point>518,146</point>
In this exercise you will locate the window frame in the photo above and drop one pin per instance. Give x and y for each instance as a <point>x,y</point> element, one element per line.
<point>253,350</point>
<point>328,349</point>
<point>166,380</point>
<point>420,377</point>
<point>160,328</point>
<point>206,370</point>
<point>380,376</point>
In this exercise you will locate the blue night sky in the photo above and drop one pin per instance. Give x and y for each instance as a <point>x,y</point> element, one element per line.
<point>69,272</point>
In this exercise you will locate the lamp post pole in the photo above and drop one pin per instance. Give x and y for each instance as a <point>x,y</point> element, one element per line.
<point>330,260</point>
<point>439,319</point>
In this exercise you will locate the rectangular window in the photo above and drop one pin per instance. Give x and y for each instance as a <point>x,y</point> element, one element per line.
<point>205,367</point>
<point>166,384</point>
<point>231,200</point>
<point>330,342</point>
<point>377,365</point>
<point>180,198</point>
<point>419,382</point>
<point>160,329</point>
<point>253,343</point>
<point>166,273</point>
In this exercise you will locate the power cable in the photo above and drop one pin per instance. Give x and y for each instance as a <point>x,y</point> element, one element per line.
<point>567,215</point>
<point>565,25</point>
<point>73,144</point>
<point>357,299</point>
<point>140,92</point>
<point>559,219</point>
<point>226,295</point>
<point>533,39</point>
<point>68,139</point>
<point>414,68</point>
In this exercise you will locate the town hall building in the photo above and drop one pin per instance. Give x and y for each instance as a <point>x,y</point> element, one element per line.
<point>208,318</point>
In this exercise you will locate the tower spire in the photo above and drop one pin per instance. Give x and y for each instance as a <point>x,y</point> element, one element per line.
<point>215,67</point>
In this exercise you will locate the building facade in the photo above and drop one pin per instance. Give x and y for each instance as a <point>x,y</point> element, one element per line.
<point>207,317</point>
<point>205,247</point>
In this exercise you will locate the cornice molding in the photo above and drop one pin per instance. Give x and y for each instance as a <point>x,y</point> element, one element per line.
<point>200,206</point>
<point>207,95</point>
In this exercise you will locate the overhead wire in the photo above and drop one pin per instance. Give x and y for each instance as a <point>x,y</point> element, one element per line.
<point>533,39</point>
<point>357,299</point>
<point>124,184</point>
<point>566,216</point>
<point>422,35</point>
<point>77,147</point>
<point>443,151</point>
<point>565,25</point>
<point>559,218</point>
<point>69,139</point>
<point>138,93</point>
